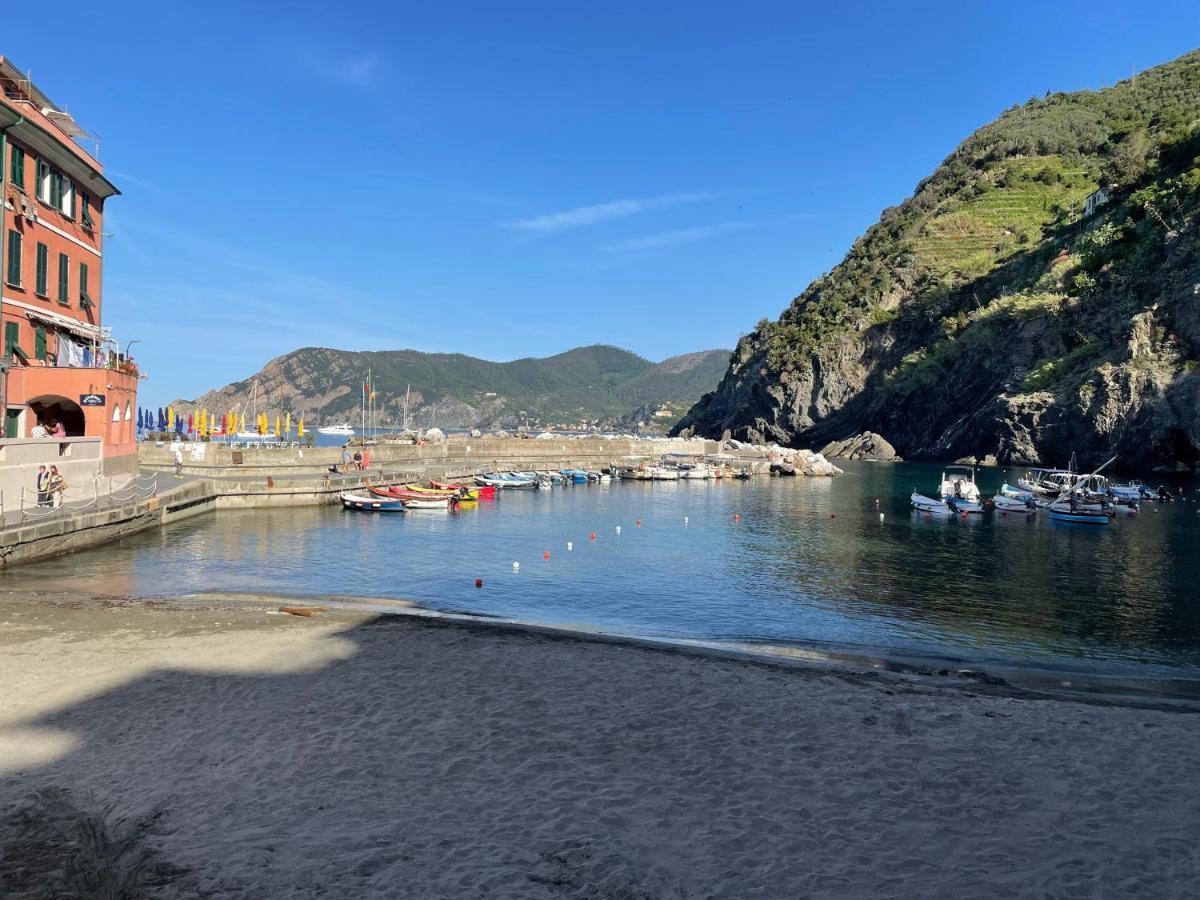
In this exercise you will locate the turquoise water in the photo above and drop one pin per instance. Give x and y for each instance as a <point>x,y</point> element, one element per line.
<point>808,561</point>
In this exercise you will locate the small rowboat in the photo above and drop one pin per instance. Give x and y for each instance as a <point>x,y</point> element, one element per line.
<point>1007,503</point>
<point>1079,516</point>
<point>371,502</point>
<point>464,493</point>
<point>924,504</point>
<point>481,492</point>
<point>413,499</point>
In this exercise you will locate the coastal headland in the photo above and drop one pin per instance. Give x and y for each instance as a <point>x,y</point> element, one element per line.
<point>223,748</point>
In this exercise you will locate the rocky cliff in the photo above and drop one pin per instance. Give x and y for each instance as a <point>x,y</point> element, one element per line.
<point>1038,294</point>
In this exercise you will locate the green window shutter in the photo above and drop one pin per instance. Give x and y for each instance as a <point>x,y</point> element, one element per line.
<point>84,299</point>
<point>43,182</point>
<point>86,208</point>
<point>12,337</point>
<point>56,189</point>
<point>39,343</point>
<point>16,162</point>
<point>13,276</point>
<point>64,274</point>
<point>43,265</point>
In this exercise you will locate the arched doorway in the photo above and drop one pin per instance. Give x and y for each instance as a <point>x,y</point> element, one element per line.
<point>50,408</point>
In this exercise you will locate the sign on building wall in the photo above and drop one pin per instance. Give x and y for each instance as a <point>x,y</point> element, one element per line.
<point>91,399</point>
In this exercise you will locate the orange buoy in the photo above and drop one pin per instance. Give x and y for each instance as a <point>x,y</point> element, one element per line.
<point>546,555</point>
<point>592,536</point>
<point>736,517</point>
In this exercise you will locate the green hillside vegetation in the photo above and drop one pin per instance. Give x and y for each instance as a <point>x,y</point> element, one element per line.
<point>1010,186</point>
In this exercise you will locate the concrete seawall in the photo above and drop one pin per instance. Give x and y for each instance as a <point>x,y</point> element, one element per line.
<point>456,457</point>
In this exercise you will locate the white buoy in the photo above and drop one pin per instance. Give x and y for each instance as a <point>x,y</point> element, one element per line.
<point>516,567</point>
<point>685,520</point>
<point>618,529</point>
<point>570,546</point>
<point>881,517</point>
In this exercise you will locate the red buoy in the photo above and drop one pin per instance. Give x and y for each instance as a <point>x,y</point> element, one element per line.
<point>546,555</point>
<point>833,515</point>
<point>592,536</point>
<point>736,517</point>
<point>478,582</point>
<point>638,523</point>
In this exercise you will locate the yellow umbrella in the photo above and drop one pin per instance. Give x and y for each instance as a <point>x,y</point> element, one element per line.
<point>276,424</point>
<point>170,418</point>
<point>300,428</point>
<point>287,424</point>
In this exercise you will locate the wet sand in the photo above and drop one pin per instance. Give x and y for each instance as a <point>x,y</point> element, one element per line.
<point>238,752</point>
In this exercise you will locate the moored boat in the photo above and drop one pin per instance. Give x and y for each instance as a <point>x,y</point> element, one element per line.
<point>959,491</point>
<point>1006,503</point>
<point>1078,516</point>
<point>372,502</point>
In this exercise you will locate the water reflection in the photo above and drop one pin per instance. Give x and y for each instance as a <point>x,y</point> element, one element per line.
<point>809,561</point>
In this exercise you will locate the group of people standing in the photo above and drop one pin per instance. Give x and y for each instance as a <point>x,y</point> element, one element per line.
<point>51,485</point>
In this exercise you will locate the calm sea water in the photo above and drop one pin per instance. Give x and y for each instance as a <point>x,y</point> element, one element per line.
<point>807,561</point>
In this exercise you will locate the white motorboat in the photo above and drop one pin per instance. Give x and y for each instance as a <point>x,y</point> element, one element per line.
<point>959,491</point>
<point>663,473</point>
<point>700,471</point>
<point>342,430</point>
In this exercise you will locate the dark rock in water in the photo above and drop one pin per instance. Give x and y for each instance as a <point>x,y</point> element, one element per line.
<point>867,445</point>
<point>782,468</point>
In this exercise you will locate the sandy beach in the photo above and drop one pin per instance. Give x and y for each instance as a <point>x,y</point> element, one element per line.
<point>166,751</point>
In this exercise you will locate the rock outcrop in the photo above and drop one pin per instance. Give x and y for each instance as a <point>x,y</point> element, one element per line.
<point>988,316</point>
<point>867,445</point>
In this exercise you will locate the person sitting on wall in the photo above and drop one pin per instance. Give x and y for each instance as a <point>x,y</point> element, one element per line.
<point>43,486</point>
<point>38,430</point>
<point>57,486</point>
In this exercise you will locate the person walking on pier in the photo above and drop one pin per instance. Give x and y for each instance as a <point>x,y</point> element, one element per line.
<point>178,462</point>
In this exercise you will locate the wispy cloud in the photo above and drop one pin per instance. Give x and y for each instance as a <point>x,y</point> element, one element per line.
<point>359,71</point>
<point>673,238</point>
<point>581,216</point>
<point>120,178</point>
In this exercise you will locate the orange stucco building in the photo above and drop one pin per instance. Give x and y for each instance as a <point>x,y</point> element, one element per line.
<point>63,365</point>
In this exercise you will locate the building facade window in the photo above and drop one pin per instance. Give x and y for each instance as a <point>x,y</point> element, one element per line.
<point>12,337</point>
<point>43,266</point>
<point>43,182</point>
<point>85,214</point>
<point>39,343</point>
<point>85,299</point>
<point>64,275</point>
<point>12,272</point>
<point>16,166</point>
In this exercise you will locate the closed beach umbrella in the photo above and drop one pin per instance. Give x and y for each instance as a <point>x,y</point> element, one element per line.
<point>287,424</point>
<point>140,419</point>
<point>300,428</point>
<point>276,424</point>
<point>190,427</point>
<point>162,420</point>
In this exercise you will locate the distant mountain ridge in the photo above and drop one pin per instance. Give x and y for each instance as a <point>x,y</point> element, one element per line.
<point>453,390</point>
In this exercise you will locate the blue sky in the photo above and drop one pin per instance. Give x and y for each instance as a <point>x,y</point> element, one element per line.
<point>516,179</point>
